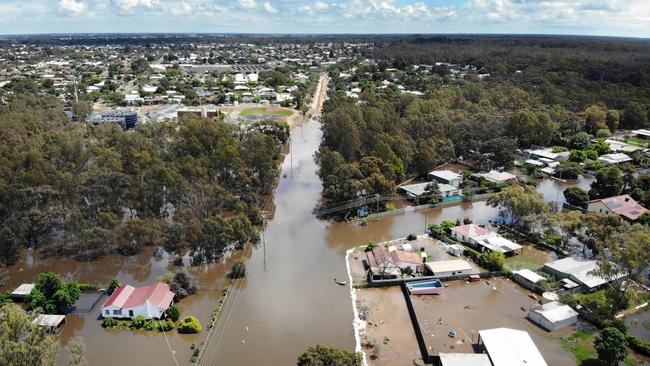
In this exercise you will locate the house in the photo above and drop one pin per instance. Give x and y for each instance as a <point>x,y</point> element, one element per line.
<point>497,177</point>
<point>417,190</point>
<point>620,146</point>
<point>446,177</point>
<point>389,263</point>
<point>22,291</point>
<point>484,240</point>
<point>464,359</point>
<point>510,347</point>
<point>128,302</point>
<point>578,272</point>
<point>449,267</point>
<point>527,278</point>
<point>52,323</point>
<point>615,158</point>
<point>553,316</point>
<point>547,154</point>
<point>643,133</point>
<point>624,206</point>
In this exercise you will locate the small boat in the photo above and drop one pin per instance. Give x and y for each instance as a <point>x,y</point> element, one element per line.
<point>425,287</point>
<point>474,278</point>
<point>342,283</point>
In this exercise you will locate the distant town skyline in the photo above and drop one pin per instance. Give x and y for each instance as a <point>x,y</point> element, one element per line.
<point>629,18</point>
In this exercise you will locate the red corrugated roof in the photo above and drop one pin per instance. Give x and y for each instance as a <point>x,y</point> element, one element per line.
<point>624,205</point>
<point>157,294</point>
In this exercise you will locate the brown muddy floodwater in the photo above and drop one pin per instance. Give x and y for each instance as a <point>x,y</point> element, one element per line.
<point>289,300</point>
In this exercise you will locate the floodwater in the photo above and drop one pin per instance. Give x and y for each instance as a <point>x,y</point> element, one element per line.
<point>289,300</point>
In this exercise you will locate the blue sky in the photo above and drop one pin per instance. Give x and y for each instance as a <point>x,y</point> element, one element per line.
<point>585,17</point>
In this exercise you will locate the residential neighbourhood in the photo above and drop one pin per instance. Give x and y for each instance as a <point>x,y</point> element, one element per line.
<point>324,199</point>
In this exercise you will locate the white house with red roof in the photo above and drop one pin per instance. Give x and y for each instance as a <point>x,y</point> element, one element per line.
<point>624,206</point>
<point>128,302</point>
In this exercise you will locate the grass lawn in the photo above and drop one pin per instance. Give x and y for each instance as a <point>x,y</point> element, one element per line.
<point>633,140</point>
<point>581,345</point>
<point>518,262</point>
<point>262,110</point>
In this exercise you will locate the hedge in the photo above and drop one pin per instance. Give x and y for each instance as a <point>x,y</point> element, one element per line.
<point>638,346</point>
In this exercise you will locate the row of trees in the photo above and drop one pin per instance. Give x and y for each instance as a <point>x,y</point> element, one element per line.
<point>197,185</point>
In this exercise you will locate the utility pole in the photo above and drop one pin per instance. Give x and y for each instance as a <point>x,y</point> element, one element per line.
<point>74,82</point>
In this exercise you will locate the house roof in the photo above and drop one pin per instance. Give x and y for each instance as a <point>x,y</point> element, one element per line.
<point>451,265</point>
<point>615,158</point>
<point>464,359</point>
<point>419,189</point>
<point>49,320</point>
<point>405,257</point>
<point>498,243</point>
<point>511,347</point>
<point>126,296</point>
<point>555,311</point>
<point>497,177</point>
<point>623,205</point>
<point>24,289</point>
<point>470,230</point>
<point>578,269</point>
<point>445,174</point>
<point>529,275</point>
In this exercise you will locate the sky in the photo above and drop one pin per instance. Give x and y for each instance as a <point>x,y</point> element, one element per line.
<point>629,18</point>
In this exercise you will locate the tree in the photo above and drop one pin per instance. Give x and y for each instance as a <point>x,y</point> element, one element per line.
<point>580,141</point>
<point>82,110</point>
<point>53,295</point>
<point>568,170</point>
<point>323,355</point>
<point>183,284</point>
<point>77,352</point>
<point>516,202</point>
<point>173,313</point>
<point>22,342</point>
<point>608,183</point>
<point>576,196</point>
<point>113,284</point>
<point>634,116</point>
<point>612,119</point>
<point>595,119</point>
<point>433,191</point>
<point>601,147</point>
<point>611,346</point>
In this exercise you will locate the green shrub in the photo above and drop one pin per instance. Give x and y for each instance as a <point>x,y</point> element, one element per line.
<point>109,323</point>
<point>173,313</point>
<point>370,246</point>
<point>411,237</point>
<point>189,325</point>
<point>152,324</point>
<point>493,261</point>
<point>138,322</point>
<point>238,270</point>
<point>638,346</point>
<point>165,325</point>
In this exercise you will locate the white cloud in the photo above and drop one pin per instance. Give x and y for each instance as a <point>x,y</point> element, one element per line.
<point>247,4</point>
<point>321,5</point>
<point>269,8</point>
<point>130,5</point>
<point>72,7</point>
